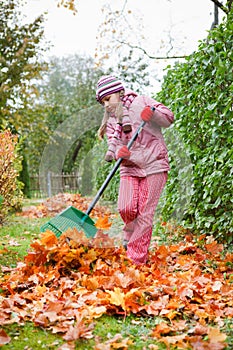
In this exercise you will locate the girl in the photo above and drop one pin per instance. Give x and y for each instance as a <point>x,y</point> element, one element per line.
<point>143,171</point>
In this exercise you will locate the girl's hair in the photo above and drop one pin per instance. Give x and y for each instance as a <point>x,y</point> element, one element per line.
<point>119,116</point>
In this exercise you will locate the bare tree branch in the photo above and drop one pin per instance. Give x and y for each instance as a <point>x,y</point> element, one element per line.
<point>221,6</point>
<point>148,55</point>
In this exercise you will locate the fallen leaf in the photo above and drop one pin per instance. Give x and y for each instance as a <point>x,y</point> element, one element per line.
<point>4,338</point>
<point>103,223</point>
<point>80,330</point>
<point>117,342</point>
<point>161,329</point>
<point>64,284</point>
<point>216,336</point>
<point>67,346</point>
<point>12,242</point>
<point>117,297</point>
<point>217,286</point>
<point>214,247</point>
<point>48,238</point>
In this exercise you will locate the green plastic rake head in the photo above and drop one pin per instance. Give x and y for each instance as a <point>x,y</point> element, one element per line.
<point>70,218</point>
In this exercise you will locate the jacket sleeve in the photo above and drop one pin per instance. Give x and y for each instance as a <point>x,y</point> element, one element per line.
<point>110,137</point>
<point>162,116</point>
<point>113,135</point>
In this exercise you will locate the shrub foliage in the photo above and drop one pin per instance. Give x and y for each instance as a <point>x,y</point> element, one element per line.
<point>10,165</point>
<point>199,93</point>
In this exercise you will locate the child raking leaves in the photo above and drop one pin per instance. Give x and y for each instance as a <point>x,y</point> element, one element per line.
<point>143,171</point>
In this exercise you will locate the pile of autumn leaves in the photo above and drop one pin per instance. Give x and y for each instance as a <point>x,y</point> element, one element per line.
<point>65,284</point>
<point>54,205</point>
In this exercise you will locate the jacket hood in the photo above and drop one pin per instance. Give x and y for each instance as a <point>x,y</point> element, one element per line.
<point>129,92</point>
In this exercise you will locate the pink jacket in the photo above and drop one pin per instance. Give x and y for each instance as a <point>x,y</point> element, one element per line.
<point>149,152</point>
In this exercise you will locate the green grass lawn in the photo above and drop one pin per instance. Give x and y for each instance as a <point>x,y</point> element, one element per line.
<point>16,236</point>
<point>134,329</point>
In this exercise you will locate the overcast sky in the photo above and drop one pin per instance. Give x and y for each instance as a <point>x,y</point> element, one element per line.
<point>77,34</point>
<point>189,21</point>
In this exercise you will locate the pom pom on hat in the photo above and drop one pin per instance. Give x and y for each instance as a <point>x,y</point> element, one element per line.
<point>107,85</point>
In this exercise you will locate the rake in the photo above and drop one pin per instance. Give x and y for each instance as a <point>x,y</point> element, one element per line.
<point>71,217</point>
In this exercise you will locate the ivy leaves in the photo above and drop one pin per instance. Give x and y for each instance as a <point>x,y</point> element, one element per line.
<point>202,104</point>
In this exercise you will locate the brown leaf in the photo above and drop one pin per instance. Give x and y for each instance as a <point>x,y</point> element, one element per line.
<point>199,329</point>
<point>4,338</point>
<point>64,285</point>
<point>178,340</point>
<point>216,336</point>
<point>117,342</point>
<point>67,346</point>
<point>80,330</point>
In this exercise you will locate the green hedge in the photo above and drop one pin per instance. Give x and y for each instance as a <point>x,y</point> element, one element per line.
<point>200,93</point>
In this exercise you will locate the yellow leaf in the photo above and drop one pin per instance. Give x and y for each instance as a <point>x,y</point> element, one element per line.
<point>40,290</point>
<point>96,311</point>
<point>117,297</point>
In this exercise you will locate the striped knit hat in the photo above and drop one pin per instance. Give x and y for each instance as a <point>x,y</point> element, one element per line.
<point>107,85</point>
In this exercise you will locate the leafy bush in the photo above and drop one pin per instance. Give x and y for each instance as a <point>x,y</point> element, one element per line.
<point>10,166</point>
<point>199,92</point>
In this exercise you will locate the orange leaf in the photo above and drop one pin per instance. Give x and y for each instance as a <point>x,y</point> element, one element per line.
<point>48,238</point>
<point>102,223</point>
<point>76,236</point>
<point>214,247</point>
<point>161,328</point>
<point>64,284</point>
<point>176,339</point>
<point>40,290</point>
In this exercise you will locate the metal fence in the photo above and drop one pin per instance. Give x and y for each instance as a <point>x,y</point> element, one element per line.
<point>52,184</point>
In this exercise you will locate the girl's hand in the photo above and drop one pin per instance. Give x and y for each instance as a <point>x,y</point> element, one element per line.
<point>123,153</point>
<point>147,113</point>
<point>109,156</point>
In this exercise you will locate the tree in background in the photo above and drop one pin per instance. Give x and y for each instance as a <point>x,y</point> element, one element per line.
<point>123,45</point>
<point>20,65</point>
<point>112,51</point>
<point>67,88</point>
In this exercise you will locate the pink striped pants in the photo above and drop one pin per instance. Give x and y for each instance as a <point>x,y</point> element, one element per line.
<point>137,201</point>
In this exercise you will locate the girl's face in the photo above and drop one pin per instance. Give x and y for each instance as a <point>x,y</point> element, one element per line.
<point>110,102</point>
